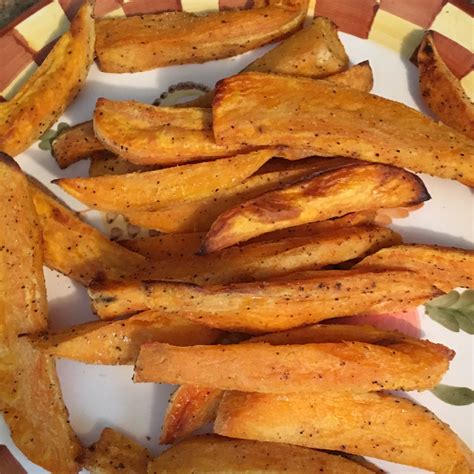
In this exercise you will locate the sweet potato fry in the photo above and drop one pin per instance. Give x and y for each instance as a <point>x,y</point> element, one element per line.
<point>51,88</point>
<point>446,267</point>
<point>199,215</point>
<point>115,453</point>
<point>74,144</point>
<point>261,307</point>
<point>166,187</point>
<point>30,394</point>
<point>264,260</point>
<point>210,453</point>
<point>338,121</point>
<point>370,424</point>
<point>140,43</point>
<point>317,198</point>
<point>147,134</point>
<point>442,90</point>
<point>118,342</point>
<point>296,368</point>
<point>105,163</point>
<point>75,248</point>
<point>189,409</point>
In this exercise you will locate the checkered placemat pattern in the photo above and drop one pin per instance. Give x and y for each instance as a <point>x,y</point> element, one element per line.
<point>398,24</point>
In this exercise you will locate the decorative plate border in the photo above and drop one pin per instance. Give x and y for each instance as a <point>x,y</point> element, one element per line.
<point>397,24</point>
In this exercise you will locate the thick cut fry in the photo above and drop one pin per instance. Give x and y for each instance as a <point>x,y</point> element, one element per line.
<point>324,196</point>
<point>104,163</point>
<point>198,216</point>
<point>269,306</point>
<point>189,409</point>
<point>51,88</point>
<point>30,394</point>
<point>370,424</point>
<point>163,188</point>
<point>74,144</point>
<point>210,453</point>
<point>265,260</point>
<point>182,245</point>
<point>140,43</point>
<point>442,90</point>
<point>147,134</point>
<point>118,342</point>
<point>297,368</point>
<point>338,121</point>
<point>115,453</point>
<point>446,267</point>
<point>77,249</point>
<point>315,51</point>
<point>358,77</point>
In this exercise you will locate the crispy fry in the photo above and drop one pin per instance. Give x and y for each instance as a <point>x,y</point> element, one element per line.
<point>339,121</point>
<point>74,144</point>
<point>77,249</point>
<point>115,453</point>
<point>317,198</point>
<point>296,368</point>
<point>261,307</point>
<point>30,394</point>
<point>182,245</point>
<point>51,88</point>
<point>147,134</point>
<point>270,259</point>
<point>189,409</point>
<point>140,43</point>
<point>105,163</point>
<point>118,342</point>
<point>210,453</point>
<point>198,216</point>
<point>442,90</point>
<point>446,267</point>
<point>370,424</point>
<point>166,187</point>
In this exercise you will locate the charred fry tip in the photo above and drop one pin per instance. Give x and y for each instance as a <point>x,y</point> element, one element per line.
<point>9,161</point>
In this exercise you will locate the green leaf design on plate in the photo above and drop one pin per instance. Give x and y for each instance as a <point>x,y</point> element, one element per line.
<point>458,396</point>
<point>47,138</point>
<point>454,311</point>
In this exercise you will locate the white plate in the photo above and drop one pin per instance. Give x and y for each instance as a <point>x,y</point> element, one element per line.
<point>100,396</point>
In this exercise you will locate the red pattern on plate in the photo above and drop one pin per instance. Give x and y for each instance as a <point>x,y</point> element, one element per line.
<point>15,57</point>
<point>106,6</point>
<point>70,7</point>
<point>230,4</point>
<point>420,12</point>
<point>407,322</point>
<point>141,7</point>
<point>40,56</point>
<point>8,463</point>
<point>26,14</point>
<point>465,5</point>
<point>354,17</point>
<point>459,59</point>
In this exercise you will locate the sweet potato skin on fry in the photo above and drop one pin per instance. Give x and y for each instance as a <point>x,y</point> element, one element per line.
<point>371,424</point>
<point>74,144</point>
<point>75,248</point>
<point>333,120</point>
<point>141,43</point>
<point>166,187</point>
<point>326,195</point>
<point>211,453</point>
<point>51,88</point>
<point>114,452</point>
<point>260,307</point>
<point>270,259</point>
<point>446,267</point>
<point>189,409</point>
<point>442,91</point>
<point>296,368</point>
<point>30,394</point>
<point>118,342</point>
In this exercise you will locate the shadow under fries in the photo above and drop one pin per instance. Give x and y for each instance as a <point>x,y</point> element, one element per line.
<point>417,235</point>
